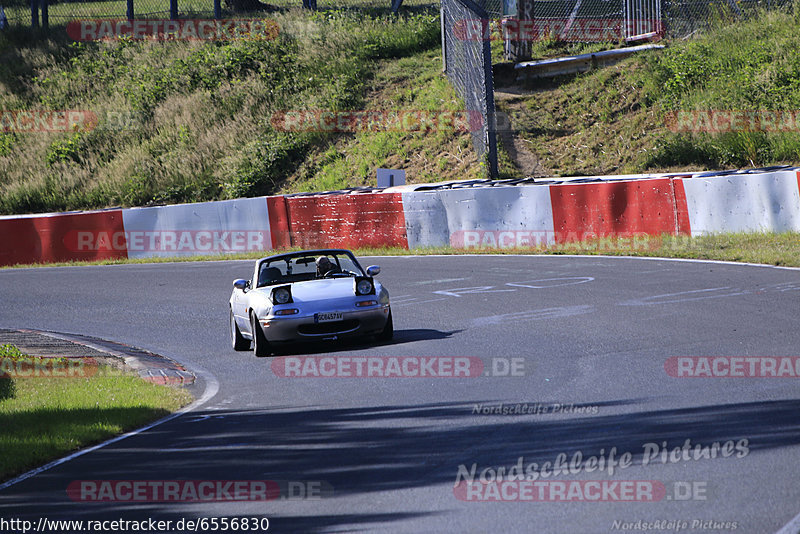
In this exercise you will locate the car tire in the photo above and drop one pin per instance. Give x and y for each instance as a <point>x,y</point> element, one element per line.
<point>388,330</point>
<point>260,343</point>
<point>238,342</point>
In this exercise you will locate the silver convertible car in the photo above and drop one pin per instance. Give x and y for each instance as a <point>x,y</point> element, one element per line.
<point>309,295</point>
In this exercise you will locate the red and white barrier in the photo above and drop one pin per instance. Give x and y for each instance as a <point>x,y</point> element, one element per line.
<point>223,227</point>
<point>744,203</point>
<point>499,216</point>
<point>651,207</point>
<point>57,237</point>
<point>343,221</point>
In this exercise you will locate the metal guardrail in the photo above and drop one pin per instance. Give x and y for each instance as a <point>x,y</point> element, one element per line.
<point>480,183</point>
<point>547,68</point>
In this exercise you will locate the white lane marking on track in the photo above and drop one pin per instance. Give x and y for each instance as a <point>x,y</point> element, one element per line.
<point>439,281</point>
<point>459,291</point>
<point>580,256</point>
<point>686,296</point>
<point>792,527</point>
<point>544,313</point>
<point>787,286</point>
<point>545,283</point>
<point>204,418</point>
<point>402,300</point>
<point>211,389</point>
<point>415,303</point>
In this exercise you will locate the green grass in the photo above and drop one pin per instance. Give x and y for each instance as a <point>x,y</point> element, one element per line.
<point>195,115</point>
<point>614,120</point>
<point>781,249</point>
<point>190,121</point>
<point>44,418</point>
<point>410,83</point>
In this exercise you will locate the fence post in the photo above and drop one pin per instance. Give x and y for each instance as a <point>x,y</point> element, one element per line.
<point>217,9</point>
<point>491,119</point>
<point>45,14</point>
<point>129,10</point>
<point>34,14</point>
<point>173,9</point>
<point>444,38</point>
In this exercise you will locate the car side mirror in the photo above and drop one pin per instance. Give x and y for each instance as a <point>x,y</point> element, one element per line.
<point>241,283</point>
<point>373,270</point>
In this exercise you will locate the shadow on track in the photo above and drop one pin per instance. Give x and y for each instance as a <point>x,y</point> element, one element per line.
<point>400,336</point>
<point>361,451</point>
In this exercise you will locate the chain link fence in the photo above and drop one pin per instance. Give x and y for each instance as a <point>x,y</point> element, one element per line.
<point>685,17</point>
<point>468,65</point>
<point>619,20</point>
<point>60,12</point>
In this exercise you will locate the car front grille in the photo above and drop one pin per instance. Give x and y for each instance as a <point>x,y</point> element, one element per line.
<point>333,327</point>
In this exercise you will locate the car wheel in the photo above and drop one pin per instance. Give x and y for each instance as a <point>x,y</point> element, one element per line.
<point>260,343</point>
<point>237,340</point>
<point>388,330</point>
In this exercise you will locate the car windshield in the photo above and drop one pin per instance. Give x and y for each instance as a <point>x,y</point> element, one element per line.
<point>302,267</point>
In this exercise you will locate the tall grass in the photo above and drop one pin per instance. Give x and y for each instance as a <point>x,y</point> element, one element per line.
<point>748,66</point>
<point>191,121</point>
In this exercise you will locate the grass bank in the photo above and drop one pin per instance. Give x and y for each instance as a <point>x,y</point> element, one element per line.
<point>183,121</point>
<point>43,418</point>
<point>193,121</point>
<point>617,120</point>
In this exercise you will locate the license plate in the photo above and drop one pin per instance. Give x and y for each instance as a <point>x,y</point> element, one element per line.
<point>327,317</point>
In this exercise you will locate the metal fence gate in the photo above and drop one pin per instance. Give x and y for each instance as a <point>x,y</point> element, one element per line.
<point>642,20</point>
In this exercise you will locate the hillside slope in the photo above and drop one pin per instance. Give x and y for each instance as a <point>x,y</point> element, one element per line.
<point>622,119</point>
<point>195,121</point>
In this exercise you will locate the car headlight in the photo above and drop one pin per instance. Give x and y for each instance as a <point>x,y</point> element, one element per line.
<point>281,295</point>
<point>364,287</point>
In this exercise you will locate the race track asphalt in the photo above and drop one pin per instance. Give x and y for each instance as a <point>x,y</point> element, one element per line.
<point>588,332</point>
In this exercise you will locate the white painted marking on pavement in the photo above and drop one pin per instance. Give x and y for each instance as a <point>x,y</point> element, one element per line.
<point>554,282</point>
<point>792,527</point>
<point>544,313</point>
<point>686,296</point>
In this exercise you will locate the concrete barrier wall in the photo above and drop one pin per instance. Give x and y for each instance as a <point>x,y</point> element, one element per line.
<point>478,216</point>
<point>744,203</point>
<point>227,226</point>
<point>85,236</point>
<point>498,216</point>
<point>346,221</point>
<point>637,207</point>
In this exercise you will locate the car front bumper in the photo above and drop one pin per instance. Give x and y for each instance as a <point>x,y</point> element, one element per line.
<point>303,327</point>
